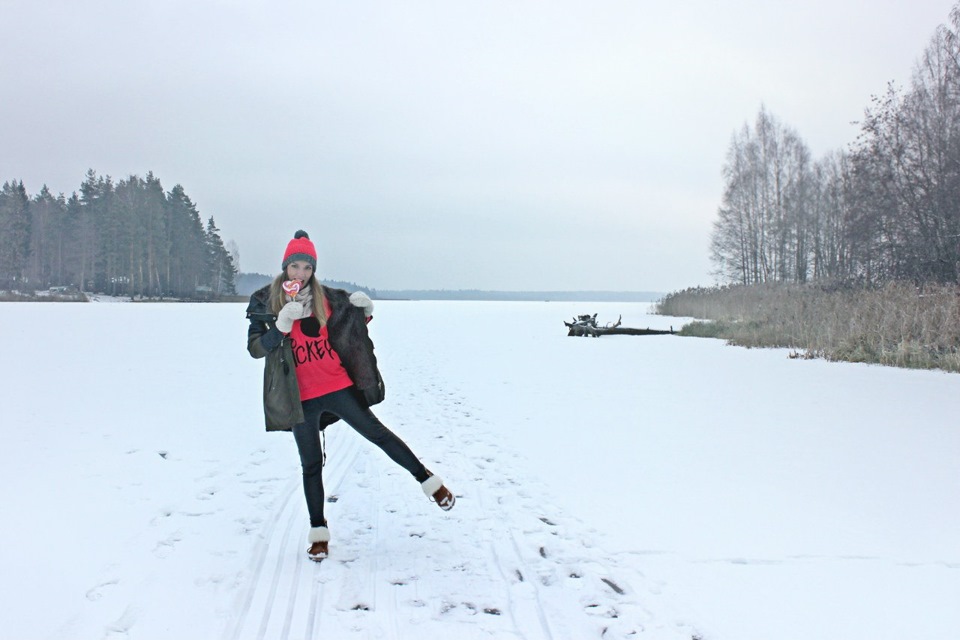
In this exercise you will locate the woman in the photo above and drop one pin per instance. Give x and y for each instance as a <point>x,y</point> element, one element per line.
<point>320,368</point>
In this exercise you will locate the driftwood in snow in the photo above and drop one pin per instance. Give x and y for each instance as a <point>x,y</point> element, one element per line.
<point>586,325</point>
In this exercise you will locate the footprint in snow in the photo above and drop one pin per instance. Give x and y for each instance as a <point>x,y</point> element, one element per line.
<point>96,592</point>
<point>165,547</point>
<point>123,624</point>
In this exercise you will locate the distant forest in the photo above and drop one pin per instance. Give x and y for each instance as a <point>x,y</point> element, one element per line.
<point>127,238</point>
<point>887,209</point>
<point>247,283</point>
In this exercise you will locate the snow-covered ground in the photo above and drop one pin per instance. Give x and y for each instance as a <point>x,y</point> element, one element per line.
<point>621,487</point>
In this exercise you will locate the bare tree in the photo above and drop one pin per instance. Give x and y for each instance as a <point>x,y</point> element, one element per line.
<point>764,222</point>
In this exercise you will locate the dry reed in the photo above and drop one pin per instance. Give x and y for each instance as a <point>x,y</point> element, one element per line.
<point>898,324</point>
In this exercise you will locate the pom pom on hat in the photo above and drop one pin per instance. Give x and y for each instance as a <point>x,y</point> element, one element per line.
<point>300,248</point>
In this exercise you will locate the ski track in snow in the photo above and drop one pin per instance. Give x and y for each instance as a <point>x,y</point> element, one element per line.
<point>400,567</point>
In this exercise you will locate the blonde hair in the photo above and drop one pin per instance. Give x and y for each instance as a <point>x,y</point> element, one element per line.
<point>278,297</point>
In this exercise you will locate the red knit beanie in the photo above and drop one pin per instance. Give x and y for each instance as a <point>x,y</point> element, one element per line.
<point>300,248</point>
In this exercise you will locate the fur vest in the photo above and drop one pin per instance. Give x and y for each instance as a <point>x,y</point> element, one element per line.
<point>348,335</point>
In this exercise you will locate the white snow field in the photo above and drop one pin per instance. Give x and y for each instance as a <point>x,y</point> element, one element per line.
<point>622,487</point>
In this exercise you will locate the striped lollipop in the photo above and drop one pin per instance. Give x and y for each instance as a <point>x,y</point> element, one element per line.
<point>291,287</point>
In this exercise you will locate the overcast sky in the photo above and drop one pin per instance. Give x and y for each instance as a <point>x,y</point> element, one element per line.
<point>443,144</point>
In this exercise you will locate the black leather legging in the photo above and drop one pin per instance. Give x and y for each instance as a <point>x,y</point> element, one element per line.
<point>345,405</point>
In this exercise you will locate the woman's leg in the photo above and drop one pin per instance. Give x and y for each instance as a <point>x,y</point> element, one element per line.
<point>346,405</point>
<point>307,435</point>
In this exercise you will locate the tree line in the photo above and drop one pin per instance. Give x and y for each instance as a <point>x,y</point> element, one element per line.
<point>125,238</point>
<point>885,209</point>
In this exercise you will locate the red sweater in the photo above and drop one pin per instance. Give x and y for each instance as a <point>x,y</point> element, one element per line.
<point>319,370</point>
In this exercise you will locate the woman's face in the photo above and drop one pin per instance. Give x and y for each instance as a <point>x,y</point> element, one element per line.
<point>299,270</point>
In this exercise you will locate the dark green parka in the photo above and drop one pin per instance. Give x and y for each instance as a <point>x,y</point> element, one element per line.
<point>347,328</point>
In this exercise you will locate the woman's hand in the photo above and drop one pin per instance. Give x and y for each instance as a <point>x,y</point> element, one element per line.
<point>290,312</point>
<point>362,300</point>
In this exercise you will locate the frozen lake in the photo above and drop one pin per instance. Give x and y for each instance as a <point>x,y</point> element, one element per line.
<point>658,487</point>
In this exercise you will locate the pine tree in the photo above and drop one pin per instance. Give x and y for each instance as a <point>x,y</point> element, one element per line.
<point>15,230</point>
<point>46,238</point>
<point>187,264</point>
<point>222,270</point>
<point>72,243</point>
<point>154,234</point>
<point>100,233</point>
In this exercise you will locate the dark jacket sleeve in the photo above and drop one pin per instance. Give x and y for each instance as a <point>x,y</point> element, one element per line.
<point>262,334</point>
